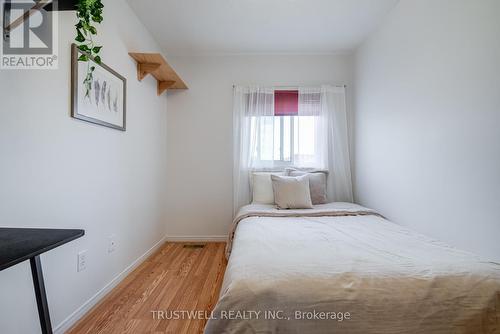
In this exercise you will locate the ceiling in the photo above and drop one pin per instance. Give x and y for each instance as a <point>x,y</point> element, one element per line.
<point>200,27</point>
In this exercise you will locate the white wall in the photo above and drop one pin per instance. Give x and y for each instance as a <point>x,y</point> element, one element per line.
<point>427,121</point>
<point>199,129</point>
<point>59,172</point>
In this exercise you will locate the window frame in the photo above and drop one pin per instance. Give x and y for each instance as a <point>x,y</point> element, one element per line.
<point>281,162</point>
<point>281,141</point>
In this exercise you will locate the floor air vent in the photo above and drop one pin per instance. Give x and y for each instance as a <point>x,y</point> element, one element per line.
<point>193,246</point>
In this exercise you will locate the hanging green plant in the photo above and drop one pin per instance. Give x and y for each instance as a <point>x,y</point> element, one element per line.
<point>88,12</point>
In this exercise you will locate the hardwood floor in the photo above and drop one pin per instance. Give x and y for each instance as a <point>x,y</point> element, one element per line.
<point>173,278</point>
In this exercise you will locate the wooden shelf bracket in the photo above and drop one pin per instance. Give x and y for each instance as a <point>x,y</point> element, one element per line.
<point>20,20</point>
<point>47,5</point>
<point>164,85</point>
<point>144,69</point>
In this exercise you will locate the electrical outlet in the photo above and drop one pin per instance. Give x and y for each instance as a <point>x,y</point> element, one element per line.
<point>111,243</point>
<point>82,261</point>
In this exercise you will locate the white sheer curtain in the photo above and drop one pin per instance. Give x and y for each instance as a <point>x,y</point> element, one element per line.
<point>317,135</point>
<point>253,123</point>
<point>327,107</point>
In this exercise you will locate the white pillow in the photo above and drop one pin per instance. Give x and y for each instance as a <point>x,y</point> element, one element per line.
<point>292,192</point>
<point>317,183</point>
<point>262,187</point>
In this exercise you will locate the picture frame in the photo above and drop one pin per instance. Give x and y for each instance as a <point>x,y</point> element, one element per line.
<point>105,103</point>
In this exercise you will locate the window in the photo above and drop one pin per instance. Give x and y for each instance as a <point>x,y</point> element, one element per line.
<point>286,138</point>
<point>305,131</point>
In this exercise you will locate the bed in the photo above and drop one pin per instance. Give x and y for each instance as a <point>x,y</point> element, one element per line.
<point>343,268</point>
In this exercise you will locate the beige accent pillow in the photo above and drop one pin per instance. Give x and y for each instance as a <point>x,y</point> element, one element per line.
<point>262,187</point>
<point>317,184</point>
<point>291,192</point>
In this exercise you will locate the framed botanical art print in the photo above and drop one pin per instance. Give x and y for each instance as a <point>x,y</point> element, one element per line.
<point>97,96</point>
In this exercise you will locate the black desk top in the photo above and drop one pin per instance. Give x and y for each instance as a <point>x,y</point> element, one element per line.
<point>20,244</point>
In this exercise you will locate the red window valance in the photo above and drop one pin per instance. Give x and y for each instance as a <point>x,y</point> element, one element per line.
<point>286,102</point>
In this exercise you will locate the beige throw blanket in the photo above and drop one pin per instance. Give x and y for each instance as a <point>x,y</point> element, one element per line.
<point>321,210</point>
<point>343,269</point>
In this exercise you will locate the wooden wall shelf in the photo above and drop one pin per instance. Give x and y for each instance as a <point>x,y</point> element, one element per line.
<point>38,5</point>
<point>157,66</point>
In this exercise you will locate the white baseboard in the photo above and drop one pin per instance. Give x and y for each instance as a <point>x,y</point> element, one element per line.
<point>80,312</point>
<point>196,238</point>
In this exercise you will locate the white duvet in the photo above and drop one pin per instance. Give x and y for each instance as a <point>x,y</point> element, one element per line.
<point>289,268</point>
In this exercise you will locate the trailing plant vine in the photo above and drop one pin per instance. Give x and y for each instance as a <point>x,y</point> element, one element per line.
<point>88,12</point>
